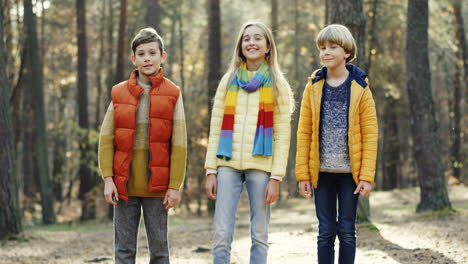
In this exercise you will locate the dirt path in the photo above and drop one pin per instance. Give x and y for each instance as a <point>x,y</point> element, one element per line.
<point>399,236</point>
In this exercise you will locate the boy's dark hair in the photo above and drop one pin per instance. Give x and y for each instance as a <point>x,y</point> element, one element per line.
<point>147,35</point>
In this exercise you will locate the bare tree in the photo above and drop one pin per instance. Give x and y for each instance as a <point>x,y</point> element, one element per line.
<point>110,78</point>
<point>119,72</point>
<point>153,15</point>
<point>87,179</point>
<point>426,146</point>
<point>10,221</point>
<point>351,14</point>
<point>274,17</point>
<point>214,60</point>
<point>34,71</point>
<point>461,80</point>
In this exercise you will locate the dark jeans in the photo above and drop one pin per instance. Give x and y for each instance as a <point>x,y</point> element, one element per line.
<point>126,221</point>
<point>333,186</point>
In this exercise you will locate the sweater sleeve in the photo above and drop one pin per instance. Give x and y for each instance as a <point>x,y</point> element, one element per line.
<point>178,146</point>
<point>106,144</point>
<point>215,124</point>
<point>281,130</point>
<point>369,134</point>
<point>304,137</point>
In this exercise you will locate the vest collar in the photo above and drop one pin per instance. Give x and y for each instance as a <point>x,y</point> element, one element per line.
<point>135,89</point>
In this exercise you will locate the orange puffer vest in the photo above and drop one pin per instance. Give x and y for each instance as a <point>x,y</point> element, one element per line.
<point>125,98</point>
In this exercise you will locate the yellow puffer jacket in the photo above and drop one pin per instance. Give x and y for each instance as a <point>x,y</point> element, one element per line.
<point>245,125</point>
<point>362,128</point>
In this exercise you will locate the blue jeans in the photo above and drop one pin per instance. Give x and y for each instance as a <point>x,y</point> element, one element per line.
<point>229,188</point>
<point>330,187</point>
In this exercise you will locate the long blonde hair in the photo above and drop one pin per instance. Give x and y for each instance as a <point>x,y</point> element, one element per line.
<point>278,79</point>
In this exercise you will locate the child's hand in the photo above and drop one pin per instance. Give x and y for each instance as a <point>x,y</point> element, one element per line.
<point>210,186</point>
<point>305,189</point>
<point>272,192</point>
<point>110,191</point>
<point>171,199</point>
<point>363,188</point>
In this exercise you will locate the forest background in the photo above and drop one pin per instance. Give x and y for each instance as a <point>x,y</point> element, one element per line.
<point>59,60</point>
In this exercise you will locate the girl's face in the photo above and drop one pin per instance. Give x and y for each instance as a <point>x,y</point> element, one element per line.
<point>333,55</point>
<point>254,44</point>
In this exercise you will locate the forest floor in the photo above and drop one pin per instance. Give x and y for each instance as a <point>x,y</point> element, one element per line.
<point>397,235</point>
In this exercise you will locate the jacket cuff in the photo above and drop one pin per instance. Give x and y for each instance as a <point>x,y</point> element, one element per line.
<point>107,172</point>
<point>211,171</point>
<point>366,178</point>
<point>276,177</point>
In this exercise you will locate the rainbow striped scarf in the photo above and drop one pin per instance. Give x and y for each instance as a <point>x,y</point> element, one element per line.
<point>263,142</point>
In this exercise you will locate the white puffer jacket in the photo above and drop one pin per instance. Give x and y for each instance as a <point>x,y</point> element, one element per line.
<point>245,125</point>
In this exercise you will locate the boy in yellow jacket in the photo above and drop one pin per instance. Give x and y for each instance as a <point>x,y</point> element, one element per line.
<point>336,142</point>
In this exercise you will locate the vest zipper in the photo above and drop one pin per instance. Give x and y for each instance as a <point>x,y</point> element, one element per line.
<point>149,137</point>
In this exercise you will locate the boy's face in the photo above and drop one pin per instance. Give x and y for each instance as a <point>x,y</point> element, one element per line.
<point>148,58</point>
<point>332,55</point>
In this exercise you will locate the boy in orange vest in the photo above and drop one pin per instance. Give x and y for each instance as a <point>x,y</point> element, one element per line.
<point>142,151</point>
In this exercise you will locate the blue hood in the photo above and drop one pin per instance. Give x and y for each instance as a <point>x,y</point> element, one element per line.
<point>355,74</point>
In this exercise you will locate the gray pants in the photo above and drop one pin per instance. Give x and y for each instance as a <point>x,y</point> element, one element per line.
<point>126,221</point>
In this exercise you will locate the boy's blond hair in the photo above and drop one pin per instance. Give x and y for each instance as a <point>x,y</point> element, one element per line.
<point>340,35</point>
<point>147,35</point>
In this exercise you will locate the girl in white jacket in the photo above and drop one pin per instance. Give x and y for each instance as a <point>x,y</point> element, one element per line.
<point>249,140</point>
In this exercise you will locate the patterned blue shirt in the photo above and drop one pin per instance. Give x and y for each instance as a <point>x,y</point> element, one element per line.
<point>334,151</point>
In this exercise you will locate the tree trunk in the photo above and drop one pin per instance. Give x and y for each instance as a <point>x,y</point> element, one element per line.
<point>391,147</point>
<point>180,12</point>
<point>290,178</point>
<point>100,66</point>
<point>351,14</point>
<point>36,89</point>
<point>372,33</point>
<point>43,34</point>
<point>181,49</point>
<point>327,12</point>
<point>119,72</point>
<point>171,47</point>
<point>274,18</point>
<point>423,124</point>
<point>10,221</point>
<point>153,15</point>
<point>110,78</point>
<point>460,83</point>
<point>8,36</point>
<point>87,179</point>
<point>214,60</point>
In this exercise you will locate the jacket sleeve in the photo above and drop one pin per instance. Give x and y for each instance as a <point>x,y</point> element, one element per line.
<point>281,130</point>
<point>369,136</point>
<point>304,137</point>
<point>106,144</point>
<point>215,124</point>
<point>178,146</point>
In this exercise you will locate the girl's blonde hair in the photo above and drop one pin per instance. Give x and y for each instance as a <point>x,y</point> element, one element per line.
<point>340,35</point>
<point>271,57</point>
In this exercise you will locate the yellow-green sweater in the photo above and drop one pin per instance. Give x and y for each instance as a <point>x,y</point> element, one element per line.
<point>137,185</point>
